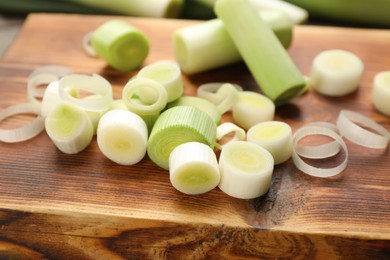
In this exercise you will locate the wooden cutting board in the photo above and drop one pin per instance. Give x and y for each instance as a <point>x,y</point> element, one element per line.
<point>54,205</point>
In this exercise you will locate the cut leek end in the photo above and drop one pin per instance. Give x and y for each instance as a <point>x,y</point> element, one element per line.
<point>246,170</point>
<point>69,128</point>
<point>290,93</point>
<point>381,92</point>
<point>181,52</point>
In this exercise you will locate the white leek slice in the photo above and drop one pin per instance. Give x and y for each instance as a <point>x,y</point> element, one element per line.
<point>33,93</point>
<point>168,74</point>
<point>94,84</point>
<point>297,14</point>
<point>246,170</point>
<point>228,97</point>
<point>178,125</point>
<point>87,45</point>
<point>193,168</point>
<point>381,92</point>
<point>144,96</point>
<point>320,151</point>
<point>350,125</point>
<point>275,137</point>
<point>252,108</point>
<point>69,128</point>
<point>25,132</point>
<point>199,103</point>
<point>309,169</point>
<point>209,91</point>
<point>336,72</point>
<point>122,137</point>
<point>55,70</point>
<point>226,129</point>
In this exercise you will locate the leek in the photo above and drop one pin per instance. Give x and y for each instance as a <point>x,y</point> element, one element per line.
<point>176,126</point>
<point>381,92</point>
<point>268,61</point>
<point>207,45</point>
<point>195,174</point>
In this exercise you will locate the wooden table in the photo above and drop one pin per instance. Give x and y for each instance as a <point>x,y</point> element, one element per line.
<point>54,205</point>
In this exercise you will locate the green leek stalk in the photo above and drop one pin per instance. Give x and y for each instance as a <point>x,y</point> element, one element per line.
<point>267,60</point>
<point>207,45</point>
<point>360,12</point>
<point>148,8</point>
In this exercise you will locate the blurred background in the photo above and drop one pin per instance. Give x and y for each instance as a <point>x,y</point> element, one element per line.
<point>351,13</point>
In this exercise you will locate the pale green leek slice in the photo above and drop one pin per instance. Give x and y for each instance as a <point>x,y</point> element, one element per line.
<point>229,132</point>
<point>168,74</point>
<point>69,128</point>
<point>246,170</point>
<point>176,126</point>
<point>199,103</point>
<point>122,137</point>
<point>144,96</point>
<point>267,60</point>
<point>380,95</point>
<point>207,45</point>
<point>252,108</point>
<point>336,72</point>
<point>210,90</point>
<point>120,44</point>
<point>193,168</point>
<point>275,137</point>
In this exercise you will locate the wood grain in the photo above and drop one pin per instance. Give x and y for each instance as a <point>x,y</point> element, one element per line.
<point>84,206</point>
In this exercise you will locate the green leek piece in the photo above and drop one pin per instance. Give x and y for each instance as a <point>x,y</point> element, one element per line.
<point>122,45</point>
<point>268,61</point>
<point>148,8</point>
<point>69,127</point>
<point>207,45</point>
<point>359,12</point>
<point>176,126</point>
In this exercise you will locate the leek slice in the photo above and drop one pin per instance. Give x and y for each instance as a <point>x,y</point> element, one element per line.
<point>225,130</point>
<point>246,170</point>
<point>122,137</point>
<point>252,108</point>
<point>33,94</point>
<point>144,96</point>
<point>168,74</point>
<point>275,137</point>
<point>209,91</point>
<point>268,61</point>
<point>121,45</point>
<point>25,132</point>
<point>194,174</point>
<point>380,95</point>
<point>178,125</point>
<point>96,85</point>
<point>309,169</point>
<point>336,72</point>
<point>201,104</point>
<point>56,70</point>
<point>69,128</point>
<point>207,45</point>
<point>348,122</point>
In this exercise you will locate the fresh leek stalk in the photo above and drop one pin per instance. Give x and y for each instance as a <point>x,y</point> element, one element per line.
<point>271,66</point>
<point>207,45</point>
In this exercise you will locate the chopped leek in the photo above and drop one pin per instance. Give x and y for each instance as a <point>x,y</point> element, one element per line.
<point>176,126</point>
<point>246,170</point>
<point>269,63</point>
<point>69,128</point>
<point>120,44</point>
<point>194,174</point>
<point>275,137</point>
<point>336,72</point>
<point>381,92</point>
<point>122,137</point>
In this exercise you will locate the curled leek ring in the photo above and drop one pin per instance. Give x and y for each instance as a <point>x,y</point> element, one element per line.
<point>94,84</point>
<point>311,170</point>
<point>33,93</point>
<point>25,132</point>
<point>144,96</point>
